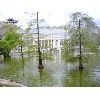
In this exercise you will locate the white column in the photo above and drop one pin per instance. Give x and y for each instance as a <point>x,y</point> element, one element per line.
<point>48,42</point>
<point>41,42</point>
<point>58,42</point>
<point>53,43</point>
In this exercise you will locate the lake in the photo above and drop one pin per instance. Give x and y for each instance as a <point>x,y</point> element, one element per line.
<point>56,72</point>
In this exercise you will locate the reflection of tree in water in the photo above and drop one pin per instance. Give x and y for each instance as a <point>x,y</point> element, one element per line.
<point>41,75</point>
<point>22,71</point>
<point>87,77</point>
<point>26,72</point>
<point>42,78</point>
<point>80,78</point>
<point>45,77</point>
<point>13,69</point>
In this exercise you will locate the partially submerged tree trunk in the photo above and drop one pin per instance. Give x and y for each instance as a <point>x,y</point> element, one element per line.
<point>80,48</point>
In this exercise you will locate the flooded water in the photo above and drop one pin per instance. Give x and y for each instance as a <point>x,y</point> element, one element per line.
<point>56,73</point>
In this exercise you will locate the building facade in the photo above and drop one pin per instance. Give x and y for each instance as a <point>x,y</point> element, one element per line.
<point>50,39</point>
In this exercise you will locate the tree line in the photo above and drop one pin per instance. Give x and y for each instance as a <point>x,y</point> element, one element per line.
<point>81,39</point>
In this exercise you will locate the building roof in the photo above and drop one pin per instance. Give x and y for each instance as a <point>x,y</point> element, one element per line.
<point>49,32</point>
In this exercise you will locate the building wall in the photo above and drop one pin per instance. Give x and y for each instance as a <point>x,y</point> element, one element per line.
<point>48,42</point>
<point>49,38</point>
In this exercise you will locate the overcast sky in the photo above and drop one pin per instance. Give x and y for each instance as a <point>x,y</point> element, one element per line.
<point>55,11</point>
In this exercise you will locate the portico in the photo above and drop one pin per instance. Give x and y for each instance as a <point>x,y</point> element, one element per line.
<point>49,42</point>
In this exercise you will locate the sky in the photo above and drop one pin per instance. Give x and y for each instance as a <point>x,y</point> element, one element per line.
<point>54,11</point>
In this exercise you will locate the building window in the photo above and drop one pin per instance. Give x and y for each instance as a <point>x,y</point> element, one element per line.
<point>56,43</point>
<point>42,43</point>
<point>46,43</point>
<point>61,42</point>
<point>36,42</point>
<point>49,42</point>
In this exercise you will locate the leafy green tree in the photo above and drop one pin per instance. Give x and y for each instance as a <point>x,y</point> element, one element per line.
<point>10,38</point>
<point>98,36</point>
<point>4,48</point>
<point>82,33</point>
<point>13,39</point>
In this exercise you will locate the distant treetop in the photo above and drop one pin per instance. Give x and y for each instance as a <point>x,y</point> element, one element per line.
<point>11,20</point>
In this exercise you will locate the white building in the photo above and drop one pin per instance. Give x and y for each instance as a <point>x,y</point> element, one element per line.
<point>50,38</point>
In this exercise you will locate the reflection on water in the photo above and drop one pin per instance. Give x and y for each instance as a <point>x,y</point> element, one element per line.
<point>56,72</point>
<point>41,75</point>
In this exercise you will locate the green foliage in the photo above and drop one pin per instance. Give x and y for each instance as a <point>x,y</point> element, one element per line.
<point>88,37</point>
<point>32,47</point>
<point>10,38</point>
<point>4,47</point>
<point>13,39</point>
<point>47,56</point>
